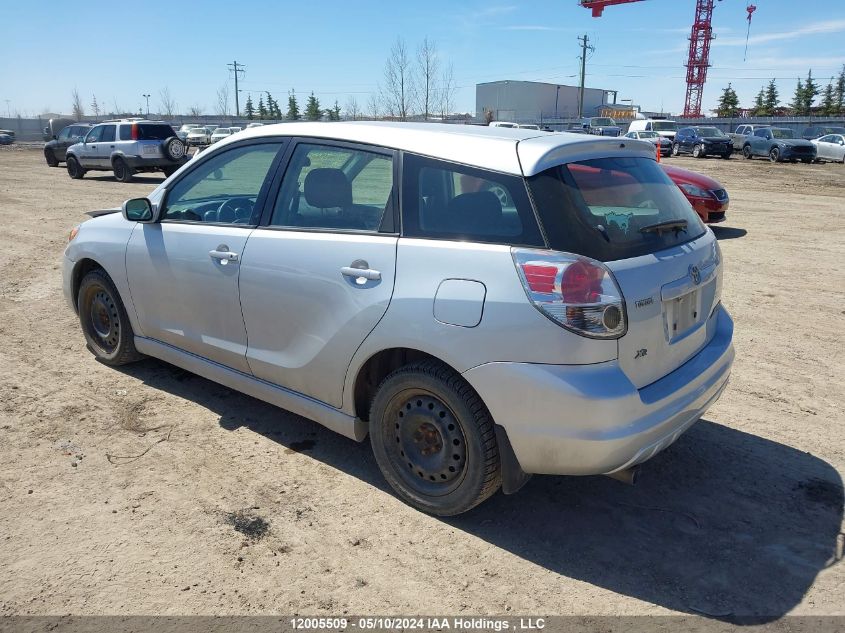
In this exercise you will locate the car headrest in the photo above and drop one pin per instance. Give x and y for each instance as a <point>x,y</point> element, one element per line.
<point>479,212</point>
<point>327,188</point>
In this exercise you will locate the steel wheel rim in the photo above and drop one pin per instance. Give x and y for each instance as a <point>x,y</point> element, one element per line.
<point>118,170</point>
<point>103,320</point>
<point>425,442</point>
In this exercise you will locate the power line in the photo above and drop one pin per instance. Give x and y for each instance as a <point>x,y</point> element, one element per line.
<point>234,67</point>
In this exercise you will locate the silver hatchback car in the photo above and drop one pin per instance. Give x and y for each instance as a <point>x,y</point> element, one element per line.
<point>484,303</point>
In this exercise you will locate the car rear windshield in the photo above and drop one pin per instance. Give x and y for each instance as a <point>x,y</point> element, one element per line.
<point>607,208</point>
<point>664,126</point>
<point>146,132</point>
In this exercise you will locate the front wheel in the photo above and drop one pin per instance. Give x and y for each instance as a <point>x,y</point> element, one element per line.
<point>746,151</point>
<point>676,149</point>
<point>774,154</point>
<point>74,169</point>
<point>434,439</point>
<point>698,151</point>
<point>104,322</point>
<point>50,157</point>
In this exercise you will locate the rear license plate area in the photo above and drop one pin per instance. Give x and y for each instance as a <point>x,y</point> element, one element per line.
<point>682,314</point>
<point>150,149</point>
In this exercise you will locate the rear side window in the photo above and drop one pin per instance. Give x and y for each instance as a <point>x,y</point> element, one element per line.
<point>108,134</point>
<point>454,202</point>
<point>125,132</point>
<point>607,208</point>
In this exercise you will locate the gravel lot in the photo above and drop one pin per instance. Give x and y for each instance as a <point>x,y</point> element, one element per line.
<point>152,491</point>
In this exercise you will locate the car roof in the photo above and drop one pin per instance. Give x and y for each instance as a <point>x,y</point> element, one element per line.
<point>510,150</point>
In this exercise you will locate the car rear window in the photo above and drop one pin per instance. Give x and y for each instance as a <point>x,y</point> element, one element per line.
<point>600,208</point>
<point>146,131</point>
<point>448,201</point>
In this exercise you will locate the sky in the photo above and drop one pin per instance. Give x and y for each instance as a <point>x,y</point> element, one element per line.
<point>337,49</point>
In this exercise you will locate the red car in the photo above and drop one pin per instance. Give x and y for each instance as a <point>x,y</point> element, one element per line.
<point>707,196</point>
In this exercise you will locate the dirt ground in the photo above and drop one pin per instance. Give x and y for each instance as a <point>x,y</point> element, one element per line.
<point>152,491</point>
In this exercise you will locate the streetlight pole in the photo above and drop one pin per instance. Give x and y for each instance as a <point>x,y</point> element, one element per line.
<point>147,97</point>
<point>557,94</point>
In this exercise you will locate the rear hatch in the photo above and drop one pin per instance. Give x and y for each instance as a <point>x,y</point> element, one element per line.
<point>625,212</point>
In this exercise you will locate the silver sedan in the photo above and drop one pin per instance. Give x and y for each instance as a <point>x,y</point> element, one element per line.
<point>830,148</point>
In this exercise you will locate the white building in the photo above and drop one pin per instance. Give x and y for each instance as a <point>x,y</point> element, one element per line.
<point>535,102</point>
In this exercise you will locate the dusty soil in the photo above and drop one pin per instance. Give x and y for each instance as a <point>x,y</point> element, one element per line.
<point>152,491</point>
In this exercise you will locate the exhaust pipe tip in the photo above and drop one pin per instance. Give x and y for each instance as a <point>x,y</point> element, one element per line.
<point>628,476</point>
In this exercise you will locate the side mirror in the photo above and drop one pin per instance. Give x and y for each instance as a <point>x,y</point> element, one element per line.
<point>55,138</point>
<point>138,210</point>
<point>842,142</point>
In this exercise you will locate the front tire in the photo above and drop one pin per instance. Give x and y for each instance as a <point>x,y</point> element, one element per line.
<point>434,439</point>
<point>698,151</point>
<point>122,171</point>
<point>774,155</point>
<point>74,169</point>
<point>104,322</point>
<point>50,157</point>
<point>746,151</point>
<point>676,149</point>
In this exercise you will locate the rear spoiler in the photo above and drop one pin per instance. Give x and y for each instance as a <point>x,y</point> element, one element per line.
<point>99,212</point>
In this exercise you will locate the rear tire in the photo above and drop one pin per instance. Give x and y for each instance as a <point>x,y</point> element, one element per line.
<point>50,157</point>
<point>774,155</point>
<point>122,171</point>
<point>74,169</point>
<point>104,322</point>
<point>746,151</point>
<point>434,439</point>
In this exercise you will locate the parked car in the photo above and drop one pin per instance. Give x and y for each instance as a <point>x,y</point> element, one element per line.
<point>210,127</point>
<point>234,130</point>
<point>830,148</point>
<point>778,144</point>
<point>54,127</point>
<point>9,133</point>
<point>220,133</point>
<point>183,130</point>
<point>601,126</point>
<point>663,127</point>
<point>126,148</point>
<point>706,195</point>
<point>55,149</point>
<point>741,134</point>
<point>277,263</point>
<point>198,136</point>
<point>702,141</point>
<point>5,139</point>
<point>814,132</point>
<point>655,139</point>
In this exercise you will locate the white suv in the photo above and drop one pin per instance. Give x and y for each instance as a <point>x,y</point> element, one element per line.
<point>127,147</point>
<point>485,303</point>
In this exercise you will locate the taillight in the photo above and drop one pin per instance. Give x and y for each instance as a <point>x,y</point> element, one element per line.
<point>576,292</point>
<point>134,131</point>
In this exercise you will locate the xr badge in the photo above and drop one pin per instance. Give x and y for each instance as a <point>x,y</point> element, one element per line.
<point>641,353</point>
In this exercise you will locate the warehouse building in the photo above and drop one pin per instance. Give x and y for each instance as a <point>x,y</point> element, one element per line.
<point>536,102</point>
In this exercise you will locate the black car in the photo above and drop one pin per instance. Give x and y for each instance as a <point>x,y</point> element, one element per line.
<point>54,151</point>
<point>818,131</point>
<point>702,141</point>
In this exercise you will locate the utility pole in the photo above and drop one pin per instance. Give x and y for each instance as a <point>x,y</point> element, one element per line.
<point>585,46</point>
<point>236,68</point>
<point>147,97</point>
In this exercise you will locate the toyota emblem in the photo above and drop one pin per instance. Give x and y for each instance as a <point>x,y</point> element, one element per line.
<point>695,274</point>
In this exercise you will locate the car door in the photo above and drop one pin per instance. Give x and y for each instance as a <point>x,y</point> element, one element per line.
<point>63,141</point>
<point>90,146</point>
<point>105,147</point>
<point>317,275</point>
<point>760,142</point>
<point>183,270</point>
<point>838,147</point>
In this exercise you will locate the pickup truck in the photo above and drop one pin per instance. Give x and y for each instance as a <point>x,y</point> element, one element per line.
<point>741,134</point>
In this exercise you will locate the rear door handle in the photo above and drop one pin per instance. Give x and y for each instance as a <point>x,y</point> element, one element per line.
<point>360,273</point>
<point>223,254</point>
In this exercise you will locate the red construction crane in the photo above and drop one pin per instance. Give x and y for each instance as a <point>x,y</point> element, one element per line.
<point>699,47</point>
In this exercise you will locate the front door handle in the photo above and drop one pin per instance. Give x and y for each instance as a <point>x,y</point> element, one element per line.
<point>360,272</point>
<point>223,254</point>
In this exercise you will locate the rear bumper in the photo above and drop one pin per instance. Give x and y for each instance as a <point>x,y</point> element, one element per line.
<point>140,162</point>
<point>590,419</point>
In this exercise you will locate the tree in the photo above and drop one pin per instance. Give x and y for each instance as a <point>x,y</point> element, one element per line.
<point>293,107</point>
<point>447,92</point>
<point>249,109</point>
<point>95,107</point>
<point>772,99</point>
<point>728,103</point>
<point>273,110</point>
<point>811,91</point>
<point>195,110</point>
<point>839,91</point>
<point>398,91</point>
<point>797,103</point>
<point>352,110</point>
<point>312,108</point>
<point>759,108</point>
<point>428,67</point>
<point>222,107</point>
<point>262,109</point>
<point>374,106</point>
<point>334,112</point>
<point>828,103</point>
<point>168,105</point>
<point>76,105</point>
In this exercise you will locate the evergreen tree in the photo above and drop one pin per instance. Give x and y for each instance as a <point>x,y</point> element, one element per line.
<point>262,109</point>
<point>797,103</point>
<point>811,91</point>
<point>759,108</point>
<point>272,107</point>
<point>772,99</point>
<point>312,108</point>
<point>334,112</point>
<point>249,109</point>
<point>728,103</point>
<point>293,107</point>
<point>828,103</point>
<point>839,91</point>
